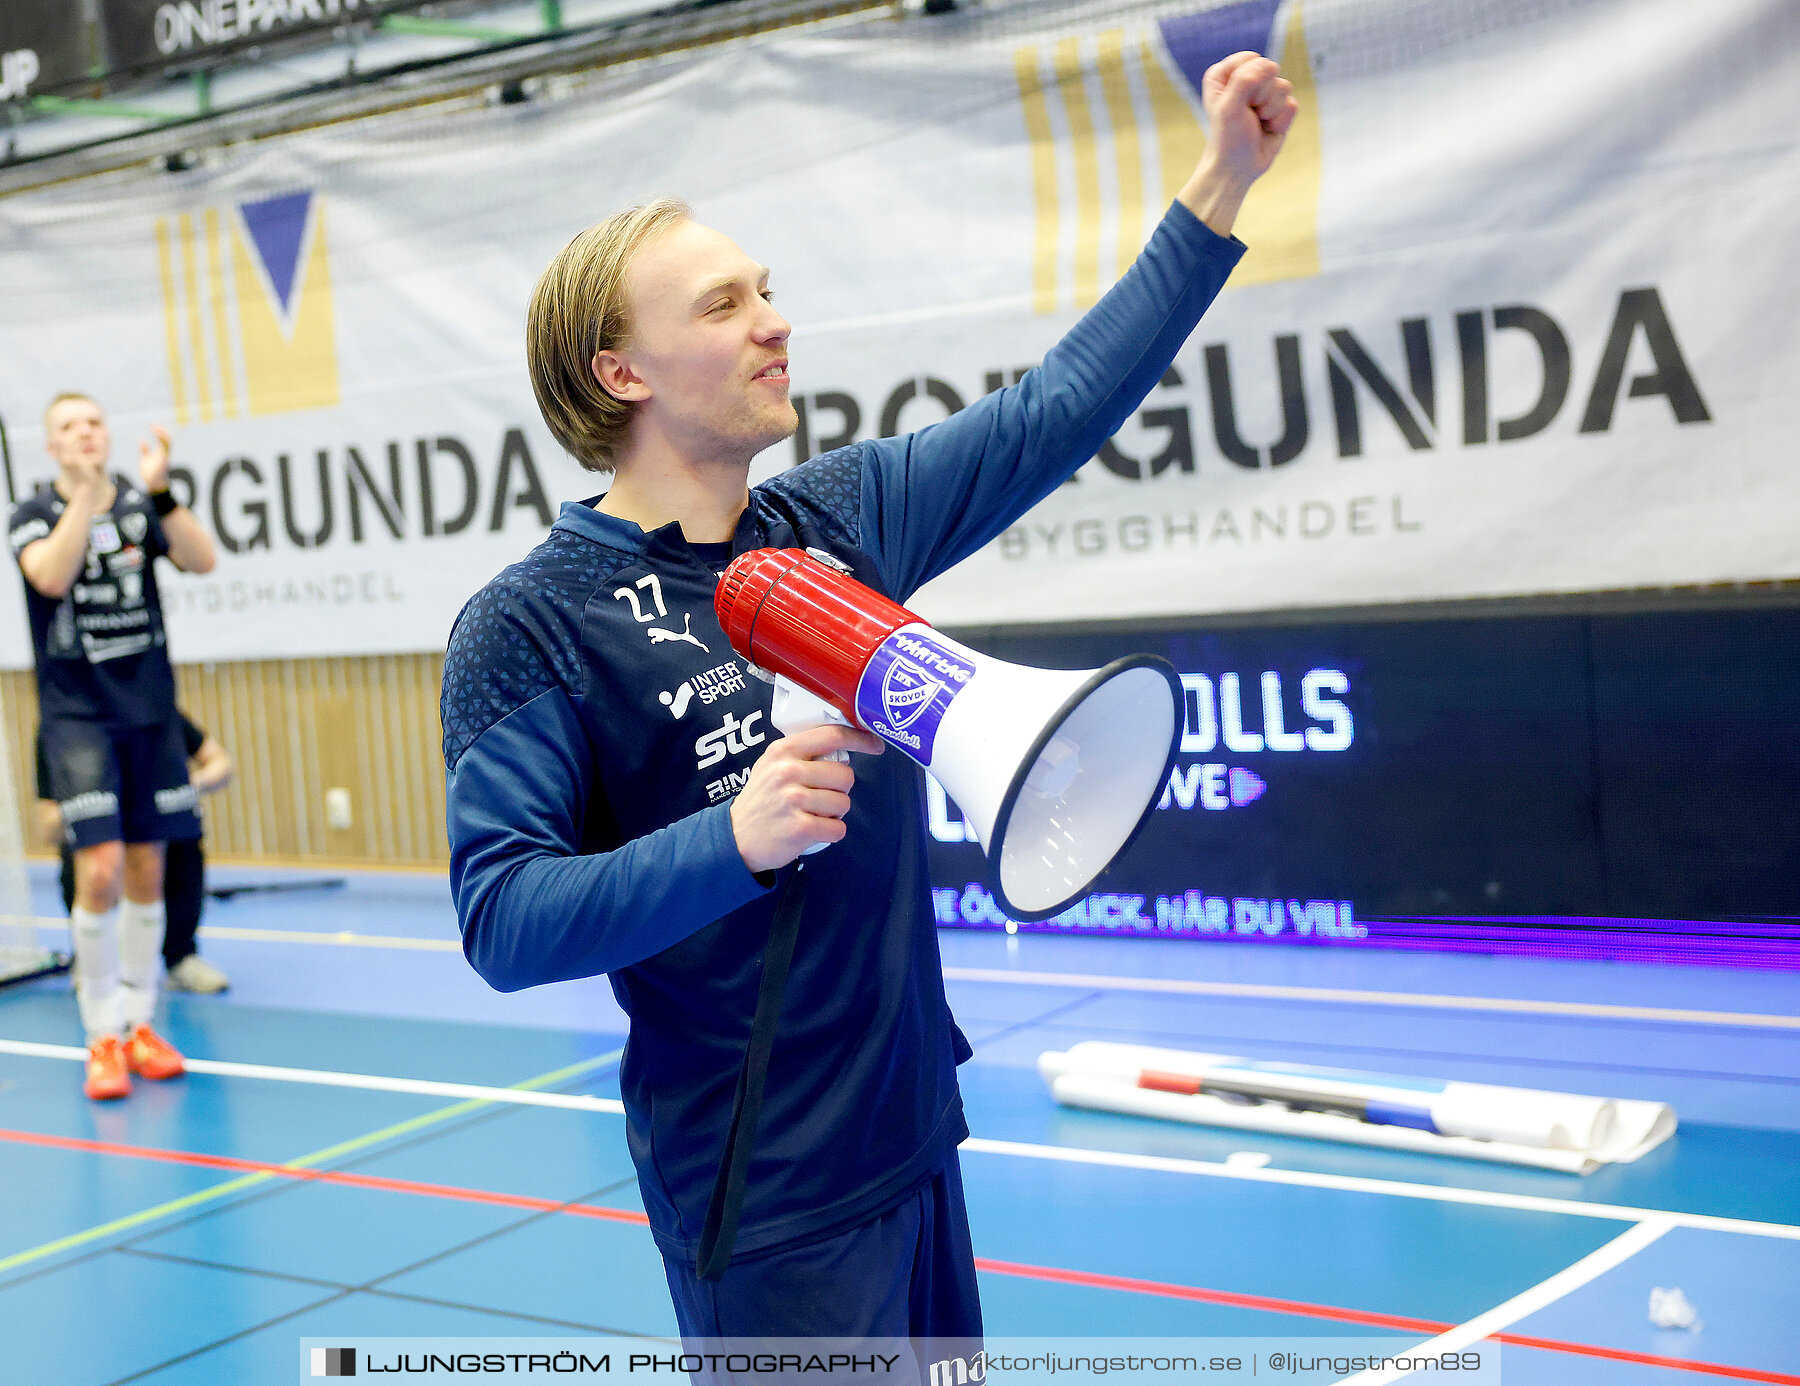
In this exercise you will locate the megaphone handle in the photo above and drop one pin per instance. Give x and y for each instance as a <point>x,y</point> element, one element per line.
<point>795,709</point>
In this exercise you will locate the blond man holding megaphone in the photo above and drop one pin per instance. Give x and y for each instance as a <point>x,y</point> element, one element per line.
<point>620,803</point>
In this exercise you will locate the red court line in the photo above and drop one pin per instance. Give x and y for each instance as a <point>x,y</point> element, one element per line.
<point>328,1176</point>
<point>1164,1290</point>
<point>1647,1359</point>
<point>1094,1280</point>
<point>1024,1271</point>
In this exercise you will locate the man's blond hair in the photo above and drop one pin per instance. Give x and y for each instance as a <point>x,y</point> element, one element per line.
<point>577,311</point>
<point>63,397</point>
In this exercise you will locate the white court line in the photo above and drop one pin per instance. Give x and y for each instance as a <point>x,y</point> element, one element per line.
<point>422,1087</point>
<point>1343,1183</point>
<point>1178,986</point>
<point>343,938</point>
<point>1348,1183</point>
<point>1503,1316</point>
<point>1173,986</point>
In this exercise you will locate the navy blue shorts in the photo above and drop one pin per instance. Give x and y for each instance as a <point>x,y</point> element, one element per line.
<point>909,1273</point>
<point>120,784</point>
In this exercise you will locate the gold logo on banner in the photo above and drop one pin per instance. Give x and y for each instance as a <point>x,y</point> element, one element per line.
<point>247,309</point>
<point>1115,127</point>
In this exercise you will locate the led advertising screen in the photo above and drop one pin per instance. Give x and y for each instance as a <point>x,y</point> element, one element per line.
<point>1620,786</point>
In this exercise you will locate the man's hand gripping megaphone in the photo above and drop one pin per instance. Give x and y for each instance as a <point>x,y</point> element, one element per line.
<point>1055,769</point>
<point>799,790</point>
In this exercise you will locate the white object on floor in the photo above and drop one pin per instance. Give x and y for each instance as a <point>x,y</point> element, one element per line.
<point>1670,1309</point>
<point>1561,1131</point>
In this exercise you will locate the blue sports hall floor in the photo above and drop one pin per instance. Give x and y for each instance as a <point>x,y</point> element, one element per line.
<point>372,1144</point>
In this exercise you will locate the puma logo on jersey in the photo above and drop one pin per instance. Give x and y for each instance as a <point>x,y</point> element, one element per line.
<point>659,636</point>
<point>733,738</point>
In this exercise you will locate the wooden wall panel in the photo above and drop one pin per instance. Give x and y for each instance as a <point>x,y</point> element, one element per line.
<point>19,694</point>
<point>368,724</point>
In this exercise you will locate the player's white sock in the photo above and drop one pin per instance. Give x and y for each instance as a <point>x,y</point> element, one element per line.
<point>97,971</point>
<point>140,960</point>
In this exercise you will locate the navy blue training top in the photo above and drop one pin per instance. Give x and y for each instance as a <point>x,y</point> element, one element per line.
<point>597,725</point>
<point>101,652</point>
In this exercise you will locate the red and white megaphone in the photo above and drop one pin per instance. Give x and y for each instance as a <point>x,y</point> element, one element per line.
<point>1054,770</point>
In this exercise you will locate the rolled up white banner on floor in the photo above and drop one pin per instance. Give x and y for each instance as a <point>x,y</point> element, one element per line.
<point>1563,1131</point>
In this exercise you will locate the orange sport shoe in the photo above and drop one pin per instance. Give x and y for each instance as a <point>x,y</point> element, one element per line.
<point>151,1056</point>
<point>106,1073</point>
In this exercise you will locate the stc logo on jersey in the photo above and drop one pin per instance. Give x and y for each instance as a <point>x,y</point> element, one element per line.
<point>247,309</point>
<point>1115,126</point>
<point>733,738</point>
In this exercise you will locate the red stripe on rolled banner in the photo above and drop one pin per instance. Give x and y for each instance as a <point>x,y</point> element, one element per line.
<point>1158,1081</point>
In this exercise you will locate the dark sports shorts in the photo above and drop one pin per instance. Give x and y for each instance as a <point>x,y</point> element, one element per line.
<point>120,784</point>
<point>907,1273</point>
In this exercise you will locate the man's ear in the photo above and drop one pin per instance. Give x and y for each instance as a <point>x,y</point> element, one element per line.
<point>616,377</point>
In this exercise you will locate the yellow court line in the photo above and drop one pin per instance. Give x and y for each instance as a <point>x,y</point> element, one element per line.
<point>330,1152</point>
<point>345,937</point>
<point>342,938</point>
<point>1096,981</point>
<point>1101,981</point>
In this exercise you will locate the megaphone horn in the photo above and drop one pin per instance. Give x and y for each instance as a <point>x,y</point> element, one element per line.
<point>1055,770</point>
